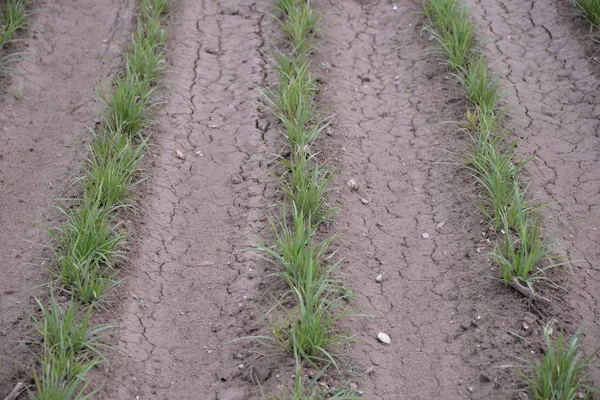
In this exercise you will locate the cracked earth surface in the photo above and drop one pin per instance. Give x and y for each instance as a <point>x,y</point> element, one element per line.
<point>191,292</point>
<point>69,49</point>
<point>192,287</point>
<point>542,52</point>
<point>449,324</point>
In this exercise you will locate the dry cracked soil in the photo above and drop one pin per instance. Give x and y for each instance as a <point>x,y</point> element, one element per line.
<point>194,291</point>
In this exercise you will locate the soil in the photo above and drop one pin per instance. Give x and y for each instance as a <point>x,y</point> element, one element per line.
<point>195,293</point>
<point>546,57</point>
<point>449,322</point>
<point>194,287</point>
<point>69,49</point>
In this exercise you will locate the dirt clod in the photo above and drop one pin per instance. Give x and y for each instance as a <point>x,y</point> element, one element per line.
<point>352,185</point>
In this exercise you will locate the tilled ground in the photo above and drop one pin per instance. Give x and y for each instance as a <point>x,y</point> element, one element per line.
<point>192,287</point>
<point>448,321</point>
<point>68,50</point>
<point>545,57</point>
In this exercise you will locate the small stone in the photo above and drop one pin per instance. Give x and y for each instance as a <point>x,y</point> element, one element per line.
<point>105,41</point>
<point>364,201</point>
<point>395,7</point>
<point>352,185</point>
<point>440,225</point>
<point>379,278</point>
<point>179,155</point>
<point>483,378</point>
<point>199,154</point>
<point>384,338</point>
<point>241,366</point>
<point>525,326</point>
<point>370,370</point>
<point>425,235</point>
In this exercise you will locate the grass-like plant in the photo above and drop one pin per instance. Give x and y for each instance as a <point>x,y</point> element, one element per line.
<point>449,22</point>
<point>590,10</point>
<point>299,23</point>
<point>562,372</point>
<point>520,253</point>
<point>307,333</point>
<point>13,14</point>
<point>306,185</point>
<point>493,162</point>
<point>89,246</point>
<point>311,389</point>
<point>113,167</point>
<point>12,18</point>
<point>482,90</point>
<point>152,10</point>
<point>91,242</point>
<point>495,168</point>
<point>146,59</point>
<point>70,348</point>
<point>128,102</point>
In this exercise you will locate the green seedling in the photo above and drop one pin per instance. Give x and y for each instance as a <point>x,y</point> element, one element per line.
<point>70,348</point>
<point>146,59</point>
<point>306,185</point>
<point>299,24</point>
<point>128,103</point>
<point>113,167</point>
<point>89,246</point>
<point>449,23</point>
<point>12,18</point>
<point>482,90</point>
<point>590,10</point>
<point>519,254</point>
<point>562,372</point>
<point>91,243</point>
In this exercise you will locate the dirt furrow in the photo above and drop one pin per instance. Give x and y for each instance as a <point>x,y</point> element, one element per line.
<point>448,321</point>
<point>192,288</point>
<point>543,54</point>
<point>43,114</point>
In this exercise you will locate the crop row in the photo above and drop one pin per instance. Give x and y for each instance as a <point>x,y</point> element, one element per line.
<point>307,332</point>
<point>92,242</point>
<point>522,253</point>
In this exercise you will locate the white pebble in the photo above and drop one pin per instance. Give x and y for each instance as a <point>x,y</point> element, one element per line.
<point>384,338</point>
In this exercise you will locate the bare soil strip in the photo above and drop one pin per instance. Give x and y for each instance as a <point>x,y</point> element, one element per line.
<point>543,55</point>
<point>192,289</point>
<point>449,324</point>
<point>73,46</point>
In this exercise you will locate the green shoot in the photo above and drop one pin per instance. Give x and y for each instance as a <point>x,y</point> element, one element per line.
<point>562,372</point>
